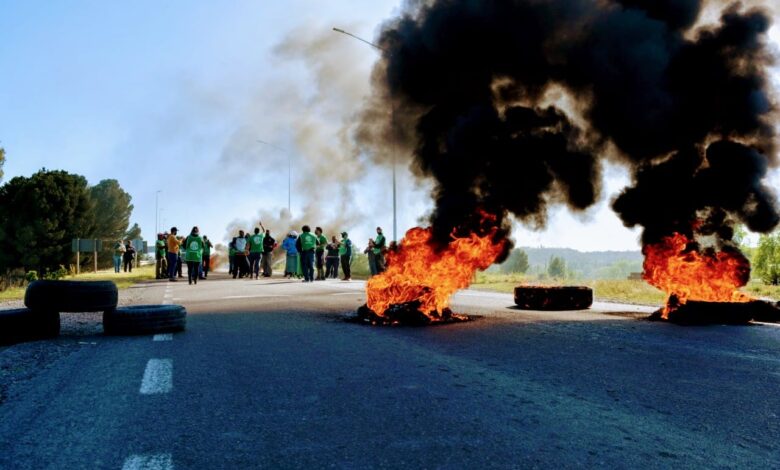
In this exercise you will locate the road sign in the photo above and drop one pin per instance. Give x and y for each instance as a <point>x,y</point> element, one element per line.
<point>85,245</point>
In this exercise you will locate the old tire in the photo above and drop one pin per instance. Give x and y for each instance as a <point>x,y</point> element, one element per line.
<point>553,297</point>
<point>144,319</point>
<point>21,324</point>
<point>71,296</point>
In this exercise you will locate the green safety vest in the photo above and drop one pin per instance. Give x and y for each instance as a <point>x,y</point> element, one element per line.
<point>256,242</point>
<point>160,244</point>
<point>379,243</point>
<point>322,241</point>
<point>308,241</point>
<point>194,248</point>
<point>206,248</point>
<point>344,249</point>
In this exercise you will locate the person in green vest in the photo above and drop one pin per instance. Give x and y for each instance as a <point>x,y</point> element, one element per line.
<point>345,253</point>
<point>322,242</point>
<point>308,245</point>
<point>255,253</point>
<point>380,246</point>
<point>206,264</point>
<point>159,256</point>
<point>193,254</point>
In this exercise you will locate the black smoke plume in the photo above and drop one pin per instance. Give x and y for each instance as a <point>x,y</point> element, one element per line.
<point>511,106</point>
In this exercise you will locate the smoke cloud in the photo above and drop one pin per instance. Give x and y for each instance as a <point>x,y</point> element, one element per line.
<point>687,106</point>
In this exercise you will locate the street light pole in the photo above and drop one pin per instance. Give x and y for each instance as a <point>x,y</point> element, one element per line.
<point>289,172</point>
<point>392,121</point>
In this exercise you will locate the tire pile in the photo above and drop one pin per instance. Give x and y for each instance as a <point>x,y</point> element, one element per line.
<point>45,300</point>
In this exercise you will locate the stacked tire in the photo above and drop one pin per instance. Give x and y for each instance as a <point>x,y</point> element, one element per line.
<point>144,319</point>
<point>22,324</point>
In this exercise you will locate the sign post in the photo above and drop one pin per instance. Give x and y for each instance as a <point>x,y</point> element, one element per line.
<point>79,245</point>
<point>78,261</point>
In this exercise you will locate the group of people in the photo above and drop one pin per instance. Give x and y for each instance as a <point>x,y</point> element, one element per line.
<point>124,254</point>
<point>249,253</point>
<point>173,251</point>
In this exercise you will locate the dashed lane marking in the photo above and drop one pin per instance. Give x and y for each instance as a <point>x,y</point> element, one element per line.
<point>163,337</point>
<point>149,462</point>
<point>158,377</point>
<point>256,296</point>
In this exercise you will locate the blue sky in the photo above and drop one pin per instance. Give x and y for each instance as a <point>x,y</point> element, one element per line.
<point>173,95</point>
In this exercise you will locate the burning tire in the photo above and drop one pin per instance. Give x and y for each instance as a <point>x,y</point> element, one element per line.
<point>21,324</point>
<point>553,297</point>
<point>696,312</point>
<point>71,296</point>
<point>144,319</point>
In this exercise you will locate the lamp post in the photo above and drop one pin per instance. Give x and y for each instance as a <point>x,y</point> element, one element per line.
<point>156,212</point>
<point>392,123</point>
<point>289,172</point>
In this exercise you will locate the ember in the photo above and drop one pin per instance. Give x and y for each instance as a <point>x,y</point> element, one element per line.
<point>424,277</point>
<point>676,266</point>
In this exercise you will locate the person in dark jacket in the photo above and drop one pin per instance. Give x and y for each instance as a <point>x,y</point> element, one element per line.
<point>269,244</point>
<point>128,257</point>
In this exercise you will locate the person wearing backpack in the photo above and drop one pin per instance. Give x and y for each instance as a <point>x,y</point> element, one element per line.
<point>345,253</point>
<point>193,254</point>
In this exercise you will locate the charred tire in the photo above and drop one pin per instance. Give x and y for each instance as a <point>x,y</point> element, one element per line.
<point>553,297</point>
<point>71,296</point>
<point>21,324</point>
<point>144,319</point>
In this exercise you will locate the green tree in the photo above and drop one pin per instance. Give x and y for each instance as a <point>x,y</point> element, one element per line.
<point>112,210</point>
<point>39,216</point>
<point>133,232</point>
<point>766,262</point>
<point>557,267</point>
<point>517,262</point>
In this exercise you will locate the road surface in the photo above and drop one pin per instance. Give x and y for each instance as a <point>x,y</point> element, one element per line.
<point>269,375</point>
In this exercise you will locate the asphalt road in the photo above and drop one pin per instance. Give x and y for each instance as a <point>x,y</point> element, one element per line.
<point>269,375</point>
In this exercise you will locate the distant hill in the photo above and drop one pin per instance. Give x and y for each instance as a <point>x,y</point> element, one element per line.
<point>586,264</point>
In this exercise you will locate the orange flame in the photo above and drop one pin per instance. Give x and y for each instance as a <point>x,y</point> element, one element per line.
<point>416,272</point>
<point>691,275</point>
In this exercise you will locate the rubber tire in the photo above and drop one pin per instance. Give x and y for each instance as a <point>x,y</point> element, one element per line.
<point>21,324</point>
<point>71,296</point>
<point>553,297</point>
<point>144,319</point>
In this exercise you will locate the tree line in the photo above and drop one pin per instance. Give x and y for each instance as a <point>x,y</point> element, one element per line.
<point>41,214</point>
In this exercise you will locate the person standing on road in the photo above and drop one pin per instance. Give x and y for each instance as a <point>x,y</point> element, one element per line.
<point>345,253</point>
<point>193,255</point>
<point>371,255</point>
<point>332,259</point>
<point>269,244</point>
<point>119,251</point>
<point>232,256</point>
<point>129,256</point>
<point>159,256</point>
<point>288,245</point>
<point>322,242</point>
<point>255,253</point>
<point>206,263</point>
<point>308,245</point>
<point>173,253</point>
<point>241,267</point>
<point>380,248</point>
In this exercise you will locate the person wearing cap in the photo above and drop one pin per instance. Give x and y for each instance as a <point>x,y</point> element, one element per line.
<point>159,256</point>
<point>193,254</point>
<point>288,245</point>
<point>345,253</point>
<point>173,253</point>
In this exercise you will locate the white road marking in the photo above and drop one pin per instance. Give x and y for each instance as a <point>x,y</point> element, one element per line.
<point>149,462</point>
<point>348,293</point>
<point>158,377</point>
<point>163,337</point>
<point>254,296</point>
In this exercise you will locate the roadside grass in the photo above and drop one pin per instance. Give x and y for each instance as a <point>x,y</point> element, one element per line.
<point>610,290</point>
<point>122,280</point>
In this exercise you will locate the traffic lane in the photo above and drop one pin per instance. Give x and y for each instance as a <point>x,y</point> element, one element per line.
<point>569,393</point>
<point>84,411</point>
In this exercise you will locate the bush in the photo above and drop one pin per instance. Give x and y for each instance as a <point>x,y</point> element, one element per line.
<point>31,276</point>
<point>57,274</point>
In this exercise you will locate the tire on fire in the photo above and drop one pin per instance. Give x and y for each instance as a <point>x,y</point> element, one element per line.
<point>22,324</point>
<point>553,297</point>
<point>144,319</point>
<point>71,296</point>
